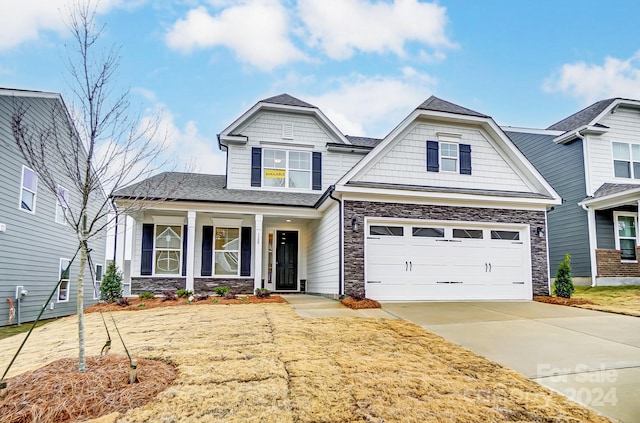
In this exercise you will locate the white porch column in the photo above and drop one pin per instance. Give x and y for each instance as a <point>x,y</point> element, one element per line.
<point>257,254</point>
<point>593,245</point>
<point>191,246</point>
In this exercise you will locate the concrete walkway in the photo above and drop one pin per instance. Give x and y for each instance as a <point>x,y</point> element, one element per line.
<point>589,356</point>
<point>317,306</point>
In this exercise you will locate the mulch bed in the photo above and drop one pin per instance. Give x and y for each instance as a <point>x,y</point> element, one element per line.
<point>59,393</point>
<point>359,304</point>
<point>562,301</point>
<point>136,303</point>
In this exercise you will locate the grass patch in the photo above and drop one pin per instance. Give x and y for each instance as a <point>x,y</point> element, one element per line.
<point>616,299</point>
<point>7,331</point>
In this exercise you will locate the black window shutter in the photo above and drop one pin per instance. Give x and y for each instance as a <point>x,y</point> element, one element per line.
<point>245,251</point>
<point>185,231</point>
<point>316,165</point>
<point>146,262</point>
<point>465,159</point>
<point>256,166</point>
<point>432,156</point>
<point>207,250</point>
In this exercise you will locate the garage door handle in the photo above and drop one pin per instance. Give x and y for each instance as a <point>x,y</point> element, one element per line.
<point>486,268</point>
<point>374,281</point>
<point>406,266</point>
<point>489,267</point>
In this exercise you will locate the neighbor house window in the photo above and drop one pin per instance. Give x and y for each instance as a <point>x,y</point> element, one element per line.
<point>97,282</point>
<point>226,251</point>
<point>63,288</point>
<point>626,235</point>
<point>626,160</point>
<point>62,205</point>
<point>29,190</point>
<point>448,157</point>
<point>286,169</point>
<point>168,249</point>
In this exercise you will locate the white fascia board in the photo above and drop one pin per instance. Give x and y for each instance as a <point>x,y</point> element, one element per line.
<point>535,131</point>
<point>233,139</point>
<point>459,199</point>
<point>612,200</point>
<point>583,130</point>
<point>11,92</point>
<point>615,104</point>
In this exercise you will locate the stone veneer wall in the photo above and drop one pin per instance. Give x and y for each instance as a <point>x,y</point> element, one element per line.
<point>207,285</point>
<point>354,241</point>
<point>610,265</point>
<point>156,285</point>
<point>201,285</point>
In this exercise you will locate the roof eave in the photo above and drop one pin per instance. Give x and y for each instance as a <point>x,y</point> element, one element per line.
<point>569,136</point>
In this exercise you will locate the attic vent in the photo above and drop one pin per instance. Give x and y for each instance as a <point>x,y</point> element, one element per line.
<point>287,131</point>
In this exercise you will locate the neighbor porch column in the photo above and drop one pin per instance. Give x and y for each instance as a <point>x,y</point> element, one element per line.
<point>191,247</point>
<point>257,254</point>
<point>593,244</point>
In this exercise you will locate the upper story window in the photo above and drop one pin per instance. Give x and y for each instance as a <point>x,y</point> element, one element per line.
<point>286,169</point>
<point>62,205</point>
<point>448,157</point>
<point>626,160</point>
<point>29,190</point>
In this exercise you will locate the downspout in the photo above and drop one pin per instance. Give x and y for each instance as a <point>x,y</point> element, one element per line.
<point>332,188</point>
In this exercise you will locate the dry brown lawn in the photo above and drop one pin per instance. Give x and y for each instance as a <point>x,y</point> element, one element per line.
<point>264,363</point>
<point>615,299</point>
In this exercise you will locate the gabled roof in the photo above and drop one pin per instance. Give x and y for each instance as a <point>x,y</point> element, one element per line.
<point>610,189</point>
<point>436,104</point>
<point>583,117</point>
<point>177,186</point>
<point>613,195</point>
<point>287,100</point>
<point>363,141</point>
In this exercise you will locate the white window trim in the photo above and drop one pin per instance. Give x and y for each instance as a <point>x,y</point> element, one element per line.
<point>60,206</point>
<point>66,300</point>
<point>457,157</point>
<point>617,214</point>
<point>22,187</point>
<point>214,251</point>
<point>287,169</point>
<point>155,249</point>
<point>631,162</point>
<point>97,282</point>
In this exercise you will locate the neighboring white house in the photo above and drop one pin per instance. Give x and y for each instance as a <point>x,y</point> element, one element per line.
<point>445,207</point>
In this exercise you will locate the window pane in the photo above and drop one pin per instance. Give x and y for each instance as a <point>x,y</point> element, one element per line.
<point>449,165</point>
<point>448,150</point>
<point>627,226</point>
<point>635,152</point>
<point>274,158</point>
<point>429,232</point>
<point>226,263</point>
<point>636,170</point>
<point>627,249</point>
<point>64,272</point>
<point>227,239</point>
<point>621,169</point>
<point>63,291</point>
<point>621,151</point>
<point>467,233</point>
<point>27,200</point>
<point>98,272</point>
<point>386,230</point>
<point>299,160</point>
<point>508,235</point>
<point>29,179</point>
<point>299,179</point>
<point>274,177</point>
<point>168,237</point>
<point>167,262</point>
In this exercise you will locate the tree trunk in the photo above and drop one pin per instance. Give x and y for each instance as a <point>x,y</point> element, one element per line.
<point>80,308</point>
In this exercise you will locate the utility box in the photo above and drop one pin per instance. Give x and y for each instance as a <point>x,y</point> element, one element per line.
<point>21,292</point>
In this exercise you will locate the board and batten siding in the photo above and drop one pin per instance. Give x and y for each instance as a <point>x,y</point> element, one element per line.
<point>323,253</point>
<point>624,126</point>
<point>567,226</point>
<point>307,131</point>
<point>33,244</point>
<point>404,162</point>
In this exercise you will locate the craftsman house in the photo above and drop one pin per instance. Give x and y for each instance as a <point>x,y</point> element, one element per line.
<point>445,207</point>
<point>36,242</point>
<point>592,159</point>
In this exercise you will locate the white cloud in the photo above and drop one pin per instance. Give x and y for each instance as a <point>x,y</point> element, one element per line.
<point>592,82</point>
<point>340,27</point>
<point>26,20</point>
<point>257,31</point>
<point>374,105</point>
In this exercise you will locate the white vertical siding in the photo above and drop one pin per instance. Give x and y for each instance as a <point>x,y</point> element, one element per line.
<point>405,162</point>
<point>624,126</point>
<point>323,253</point>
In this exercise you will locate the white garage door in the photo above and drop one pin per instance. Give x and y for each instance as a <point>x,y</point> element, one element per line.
<point>432,261</point>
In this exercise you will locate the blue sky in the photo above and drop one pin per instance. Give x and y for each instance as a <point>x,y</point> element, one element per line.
<point>366,64</point>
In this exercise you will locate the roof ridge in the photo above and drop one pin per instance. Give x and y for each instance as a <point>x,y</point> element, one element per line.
<point>287,100</point>
<point>436,104</point>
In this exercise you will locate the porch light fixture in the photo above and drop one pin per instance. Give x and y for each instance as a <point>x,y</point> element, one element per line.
<point>540,232</point>
<point>354,224</point>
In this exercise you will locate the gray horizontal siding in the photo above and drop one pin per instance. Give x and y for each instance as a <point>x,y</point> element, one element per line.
<point>33,244</point>
<point>562,166</point>
<point>605,228</point>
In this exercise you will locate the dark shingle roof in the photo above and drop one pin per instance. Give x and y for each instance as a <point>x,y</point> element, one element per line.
<point>608,189</point>
<point>287,100</point>
<point>439,105</point>
<point>363,141</point>
<point>175,186</point>
<point>583,117</point>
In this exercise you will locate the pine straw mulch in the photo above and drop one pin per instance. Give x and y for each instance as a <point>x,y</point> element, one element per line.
<point>142,304</point>
<point>57,392</point>
<point>359,304</point>
<point>562,301</point>
<point>264,363</point>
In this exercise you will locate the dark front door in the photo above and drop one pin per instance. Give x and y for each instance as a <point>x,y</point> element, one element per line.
<point>286,261</point>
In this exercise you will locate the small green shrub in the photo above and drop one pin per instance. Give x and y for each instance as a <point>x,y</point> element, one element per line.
<point>222,290</point>
<point>563,286</point>
<point>141,305</point>
<point>215,300</point>
<point>111,284</point>
<point>184,293</point>
<point>263,293</point>
<point>146,295</point>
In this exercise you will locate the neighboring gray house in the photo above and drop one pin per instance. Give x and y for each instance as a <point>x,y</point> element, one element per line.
<point>35,241</point>
<point>592,159</point>
<point>445,207</point>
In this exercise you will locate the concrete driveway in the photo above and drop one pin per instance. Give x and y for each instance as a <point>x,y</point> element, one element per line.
<point>589,356</point>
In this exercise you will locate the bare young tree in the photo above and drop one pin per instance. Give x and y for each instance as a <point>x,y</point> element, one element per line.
<point>98,144</point>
